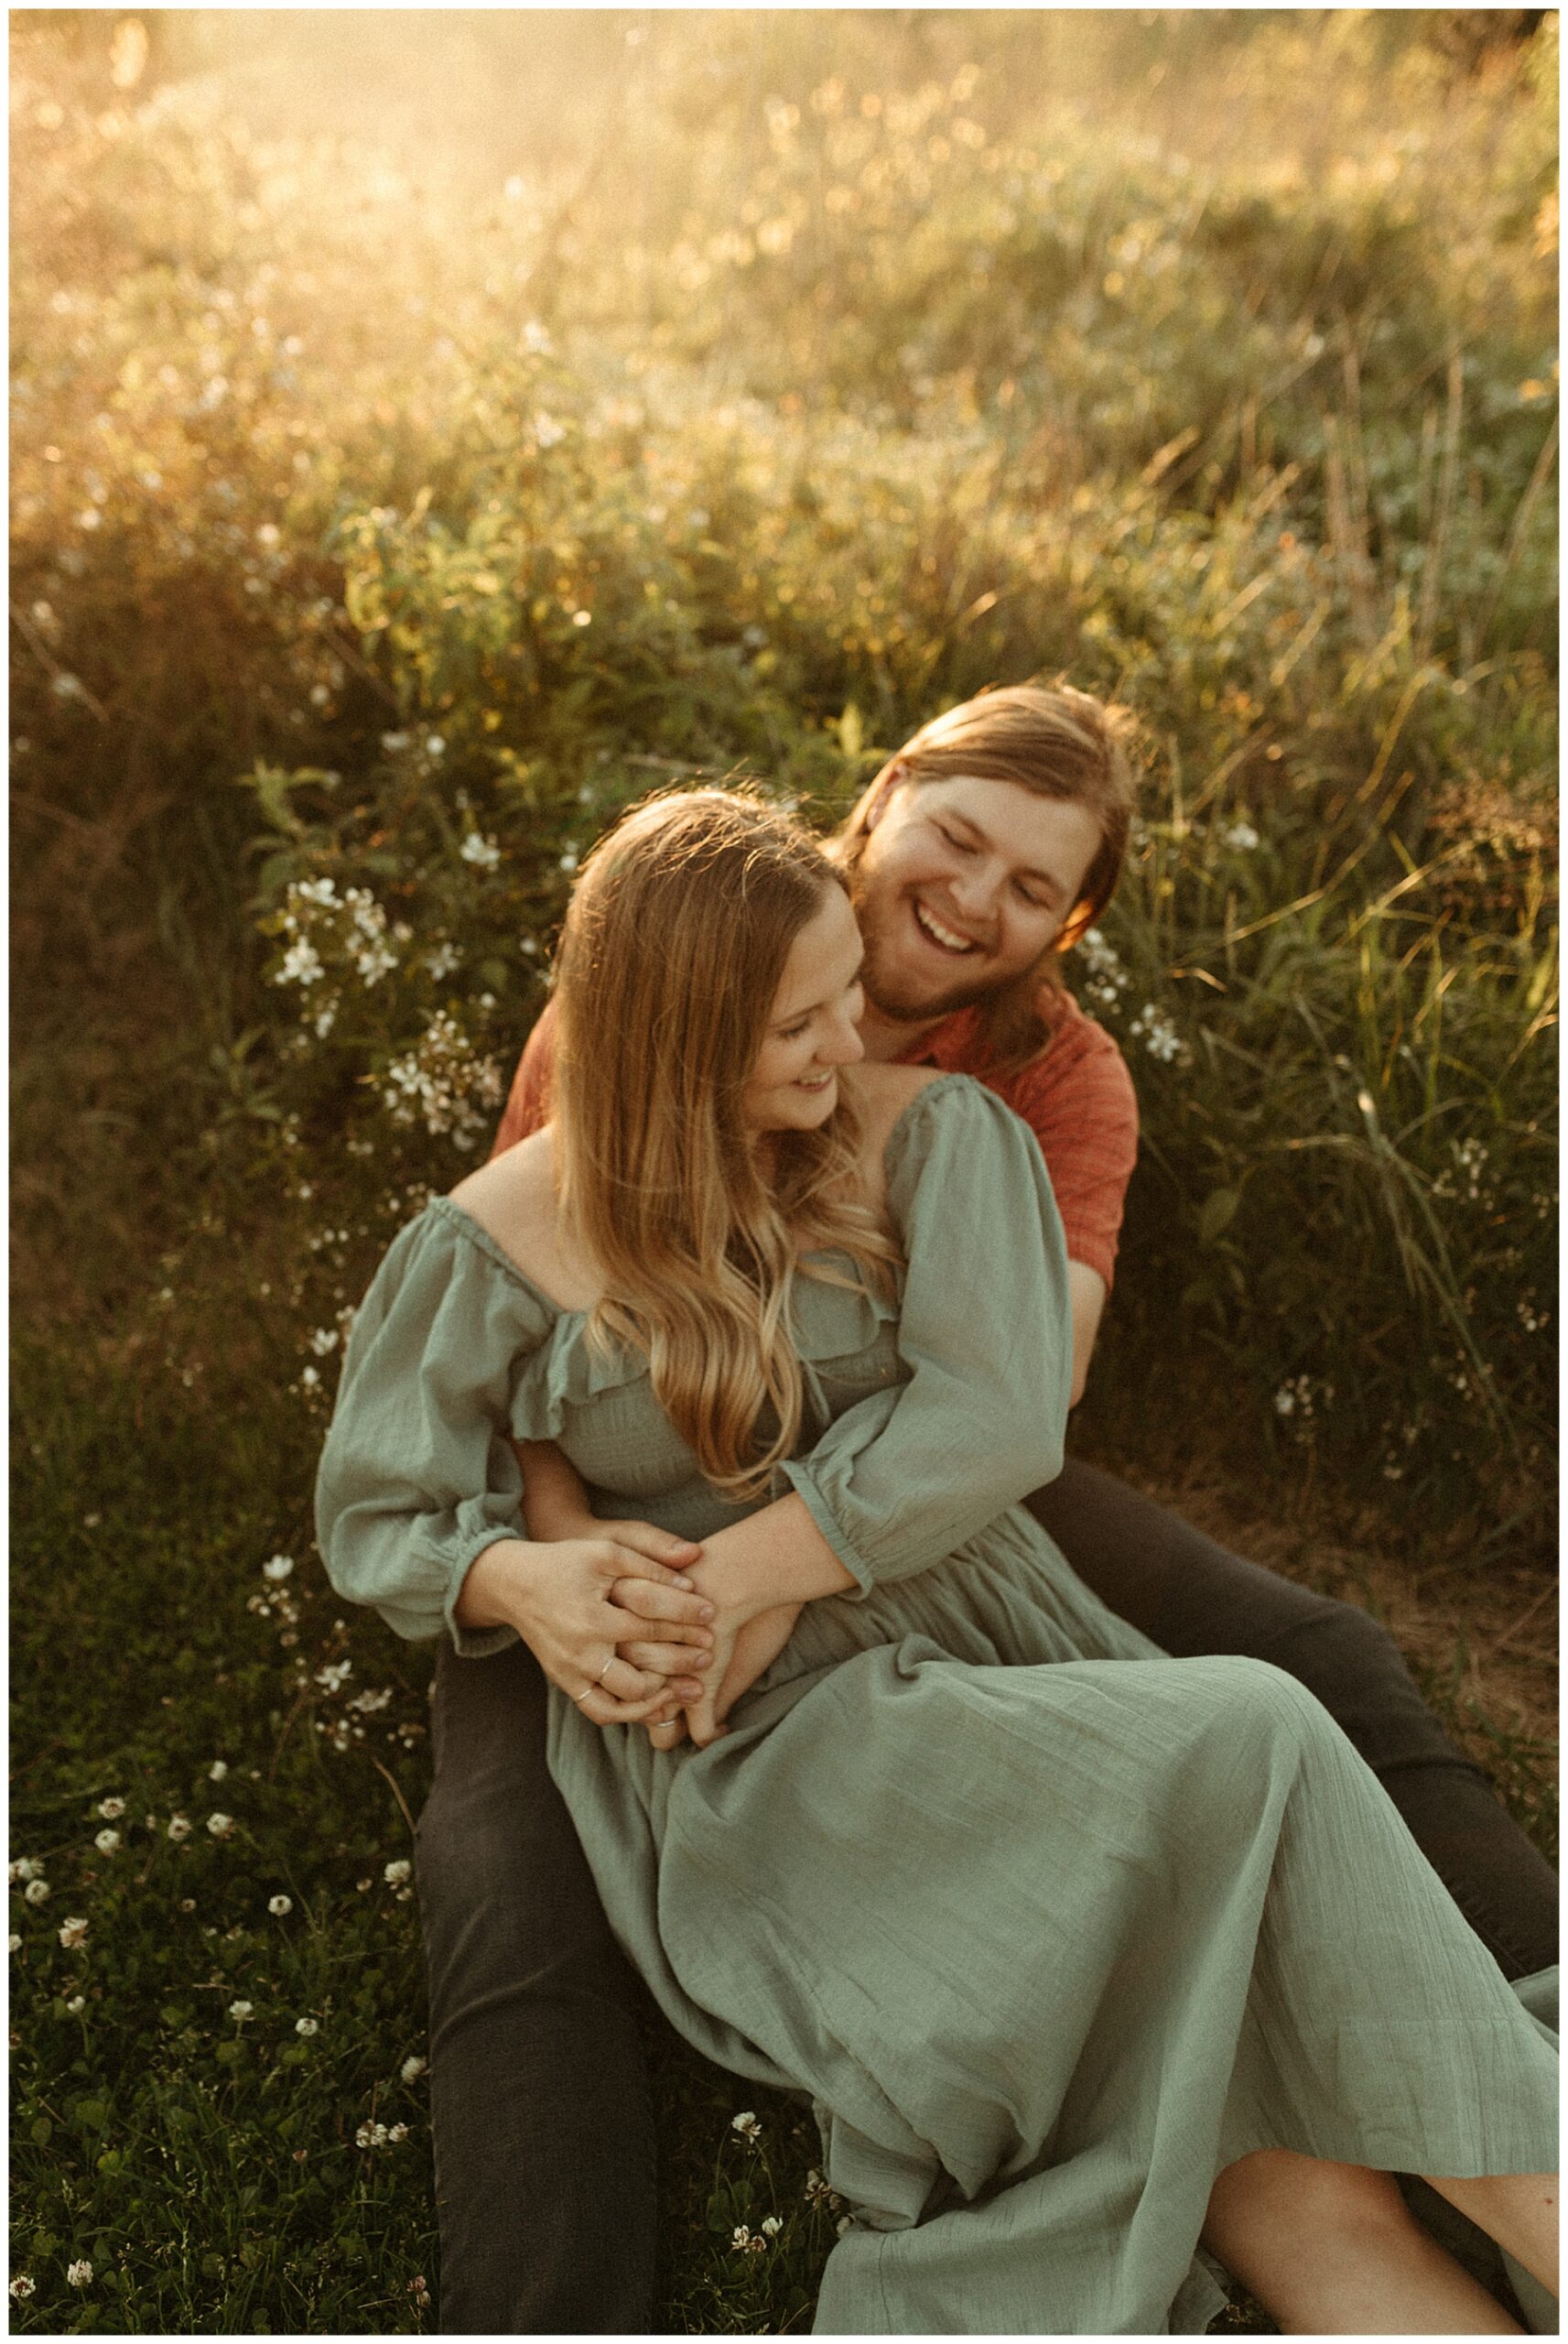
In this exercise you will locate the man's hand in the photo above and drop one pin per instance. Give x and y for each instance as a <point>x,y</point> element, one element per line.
<point>577,1601</point>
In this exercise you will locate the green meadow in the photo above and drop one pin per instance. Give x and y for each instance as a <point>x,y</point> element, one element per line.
<point>432,431</point>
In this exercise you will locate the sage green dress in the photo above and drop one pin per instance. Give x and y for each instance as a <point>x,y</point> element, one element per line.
<point>1049,1926</point>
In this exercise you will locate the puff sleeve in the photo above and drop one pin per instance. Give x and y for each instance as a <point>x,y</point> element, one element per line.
<point>984,1336</point>
<point>418,1475</point>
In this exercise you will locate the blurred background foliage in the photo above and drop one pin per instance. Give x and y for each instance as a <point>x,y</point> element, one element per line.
<point>432,429</point>
<point>457,424</point>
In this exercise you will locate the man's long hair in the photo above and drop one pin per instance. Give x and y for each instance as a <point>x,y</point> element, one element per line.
<point>1055,742</point>
<point>674,947</point>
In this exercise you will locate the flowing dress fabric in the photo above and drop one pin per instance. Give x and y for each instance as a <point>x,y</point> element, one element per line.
<point>1049,1926</point>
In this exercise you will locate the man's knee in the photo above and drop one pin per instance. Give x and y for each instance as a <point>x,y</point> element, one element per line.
<point>1350,1661</point>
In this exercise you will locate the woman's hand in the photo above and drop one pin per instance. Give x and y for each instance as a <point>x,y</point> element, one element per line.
<point>753,1648</point>
<point>577,1601</point>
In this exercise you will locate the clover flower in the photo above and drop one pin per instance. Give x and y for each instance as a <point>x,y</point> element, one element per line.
<point>38,1892</point>
<point>220,1824</point>
<point>178,1827</point>
<point>279,1905</point>
<point>110,1810</point>
<point>21,2288</point>
<point>26,1868</point>
<point>79,2275</point>
<point>73,1932</point>
<point>478,850</point>
<point>307,2026</point>
<point>77,2004</point>
<point>217,1770</point>
<point>746,2124</point>
<point>396,1872</point>
<point>279,1567</point>
<point>106,1842</point>
<point>241,2009</point>
<point>412,2069</point>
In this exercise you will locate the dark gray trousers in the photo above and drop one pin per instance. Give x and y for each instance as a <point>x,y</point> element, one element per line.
<point>540,2098</point>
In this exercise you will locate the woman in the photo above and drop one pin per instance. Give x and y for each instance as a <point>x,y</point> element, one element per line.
<point>1082,1952</point>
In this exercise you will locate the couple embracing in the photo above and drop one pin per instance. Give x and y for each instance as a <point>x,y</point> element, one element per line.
<point>715,1427</point>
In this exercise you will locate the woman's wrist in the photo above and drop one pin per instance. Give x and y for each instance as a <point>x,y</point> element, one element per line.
<point>493,1585</point>
<point>775,1556</point>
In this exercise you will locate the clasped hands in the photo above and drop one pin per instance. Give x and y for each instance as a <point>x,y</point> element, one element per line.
<point>626,1619</point>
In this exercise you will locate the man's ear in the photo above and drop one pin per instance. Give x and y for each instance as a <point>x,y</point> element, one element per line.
<point>890,781</point>
<point>1081,916</point>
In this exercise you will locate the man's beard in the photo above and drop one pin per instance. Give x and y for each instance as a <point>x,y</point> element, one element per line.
<point>886,995</point>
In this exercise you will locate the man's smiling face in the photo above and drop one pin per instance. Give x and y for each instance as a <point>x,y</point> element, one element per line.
<point>961,885</point>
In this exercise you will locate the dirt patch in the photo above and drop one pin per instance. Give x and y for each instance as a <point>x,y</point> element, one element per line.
<point>1481,1640</point>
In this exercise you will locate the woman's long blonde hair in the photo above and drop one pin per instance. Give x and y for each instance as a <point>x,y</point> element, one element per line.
<point>674,947</point>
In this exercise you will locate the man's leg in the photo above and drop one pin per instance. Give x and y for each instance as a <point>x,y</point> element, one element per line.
<point>540,2105</point>
<point>1194,1597</point>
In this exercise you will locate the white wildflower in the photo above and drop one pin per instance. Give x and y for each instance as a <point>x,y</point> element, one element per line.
<point>110,1810</point>
<point>77,2004</point>
<point>79,2275</point>
<point>22,2287</point>
<point>307,2026</point>
<point>478,850</point>
<point>334,1674</point>
<point>241,2009</point>
<point>310,1378</point>
<point>313,890</point>
<point>279,1567</point>
<point>1242,837</point>
<point>323,1341</point>
<point>38,1892</point>
<point>746,2125</point>
<point>217,1770</point>
<point>220,1824</point>
<point>178,1827</point>
<point>443,961</point>
<point>106,1842</point>
<point>771,2225</point>
<point>279,1905</point>
<point>372,2136</point>
<point>15,1943</point>
<point>73,1932</point>
<point>396,1872</point>
<point>412,2069</point>
<point>435,745</point>
<point>301,965</point>
<point>27,1868</point>
<point>397,2132</point>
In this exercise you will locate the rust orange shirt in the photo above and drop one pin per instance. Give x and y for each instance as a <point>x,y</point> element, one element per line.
<point>1077,1097</point>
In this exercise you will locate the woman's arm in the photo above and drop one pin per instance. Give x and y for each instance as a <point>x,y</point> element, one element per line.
<point>985,1331</point>
<point>419,1489</point>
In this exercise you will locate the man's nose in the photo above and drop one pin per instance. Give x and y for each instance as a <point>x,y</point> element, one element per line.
<point>975,891</point>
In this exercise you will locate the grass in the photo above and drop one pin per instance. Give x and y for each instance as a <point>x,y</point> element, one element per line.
<point>427,442</point>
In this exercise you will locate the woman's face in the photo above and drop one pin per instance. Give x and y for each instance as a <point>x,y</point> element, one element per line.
<point>811,1031</point>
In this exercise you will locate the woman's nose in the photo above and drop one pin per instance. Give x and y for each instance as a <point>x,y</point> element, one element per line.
<point>844,1046</point>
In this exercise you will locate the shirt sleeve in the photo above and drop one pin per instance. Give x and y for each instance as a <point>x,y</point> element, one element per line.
<point>1079,1102</point>
<point>985,1334</point>
<point>527,1104</point>
<point>418,1475</point>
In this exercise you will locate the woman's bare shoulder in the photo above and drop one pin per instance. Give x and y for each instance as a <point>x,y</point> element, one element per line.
<point>881,1093</point>
<point>513,1197</point>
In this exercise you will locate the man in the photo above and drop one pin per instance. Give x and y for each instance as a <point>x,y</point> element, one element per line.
<point>978,855</point>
